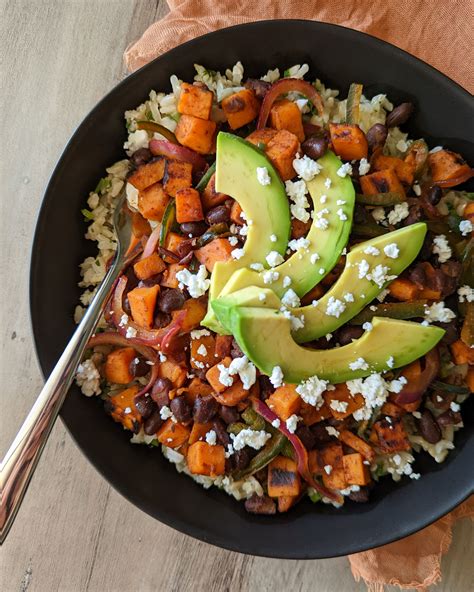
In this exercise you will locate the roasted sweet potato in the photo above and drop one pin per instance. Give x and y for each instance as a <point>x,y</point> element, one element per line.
<point>405,172</point>
<point>212,375</point>
<point>173,434</point>
<point>204,459</point>
<point>203,352</point>
<point>286,115</point>
<point>403,289</point>
<point>283,477</point>
<point>178,175</point>
<point>261,136</point>
<point>346,403</point>
<point>235,394</point>
<point>236,214</point>
<point>314,462</point>
<point>199,431</point>
<point>197,134</point>
<point>349,141</point>
<point>151,265</point>
<point>470,379</point>
<point>117,367</point>
<point>140,226</point>
<point>314,294</point>
<point>299,228</point>
<point>195,311</point>
<point>391,435</point>
<point>462,353</point>
<point>285,401</point>
<point>195,100</point>
<point>446,165</point>
<point>169,275</point>
<point>148,174</point>
<point>218,249</point>
<point>211,198</point>
<point>240,108</point>
<point>385,181</point>
<point>355,472</point>
<point>357,444</point>
<point>285,502</point>
<point>176,373</point>
<point>152,202</point>
<point>311,415</point>
<point>122,408</point>
<point>142,305</point>
<point>331,460</point>
<point>188,206</point>
<point>223,346</point>
<point>281,150</point>
<point>196,388</point>
<point>392,410</point>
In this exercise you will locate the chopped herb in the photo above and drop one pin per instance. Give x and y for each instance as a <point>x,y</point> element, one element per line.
<point>154,443</point>
<point>314,496</point>
<point>88,215</point>
<point>149,115</point>
<point>103,185</point>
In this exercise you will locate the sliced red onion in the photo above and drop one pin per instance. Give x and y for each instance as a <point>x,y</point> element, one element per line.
<point>152,242</point>
<point>414,389</point>
<point>457,180</point>
<point>170,150</point>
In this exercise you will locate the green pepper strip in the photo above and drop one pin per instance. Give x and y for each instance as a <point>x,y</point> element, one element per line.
<point>169,218</point>
<point>353,103</point>
<point>421,150</point>
<point>396,310</point>
<point>213,232</point>
<point>152,126</point>
<point>271,449</point>
<point>253,419</point>
<point>449,388</point>
<point>467,331</point>
<point>380,199</point>
<point>206,177</point>
<point>369,230</point>
<point>236,427</point>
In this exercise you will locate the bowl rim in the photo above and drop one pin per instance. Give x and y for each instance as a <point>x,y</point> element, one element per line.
<point>164,516</point>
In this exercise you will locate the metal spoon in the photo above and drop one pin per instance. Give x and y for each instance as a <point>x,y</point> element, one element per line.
<point>23,455</point>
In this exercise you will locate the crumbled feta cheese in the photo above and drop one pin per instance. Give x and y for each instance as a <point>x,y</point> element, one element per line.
<point>270,276</point>
<point>416,189</point>
<point>244,230</point>
<point>211,438</point>
<point>466,294</point>
<point>88,378</point>
<point>262,297</point>
<point>198,333</point>
<point>441,248</point>
<point>306,167</point>
<point>290,299</point>
<point>332,431</point>
<point>274,258</point>
<point>165,413</point>
<point>339,406</point>
<point>276,423</point>
<point>276,377</point>
<point>392,250</point>
<point>399,213</point>
<point>225,377</point>
<point>323,199</point>
<point>383,294</point>
<point>349,297</point>
<point>233,241</point>
<point>321,222</point>
<point>327,469</point>
<point>395,386</point>
<point>359,364</point>
<point>402,146</point>
<point>379,275</point>
<point>202,350</point>
<point>437,312</point>
<point>314,257</point>
<point>344,170</point>
<point>296,191</point>
<point>342,216</point>
<point>311,391</point>
<point>136,140</point>
<point>465,227</point>
<point>286,281</point>
<point>371,250</point>
<point>340,202</point>
<point>367,326</point>
<point>245,369</point>
<point>273,238</point>
<point>436,149</point>
<point>363,268</point>
<point>256,439</point>
<point>296,322</point>
<point>197,284</point>
<point>236,254</point>
<point>328,336</point>
<point>375,391</point>
<point>327,183</point>
<point>123,320</point>
<point>256,266</point>
<point>335,307</point>
<point>455,407</point>
<point>292,423</point>
<point>378,214</point>
<point>299,243</point>
<point>262,176</point>
<point>364,167</point>
<point>391,362</point>
<point>130,333</point>
<point>322,271</point>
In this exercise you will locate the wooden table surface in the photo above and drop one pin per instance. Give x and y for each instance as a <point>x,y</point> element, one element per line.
<point>74,532</point>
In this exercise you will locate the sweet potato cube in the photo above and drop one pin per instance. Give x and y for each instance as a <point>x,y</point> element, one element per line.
<point>204,459</point>
<point>385,181</point>
<point>199,431</point>
<point>196,309</point>
<point>403,289</point>
<point>149,266</point>
<point>188,206</point>
<point>173,434</point>
<point>236,214</point>
<point>261,136</point>
<point>299,228</point>
<point>152,202</point>
<point>241,108</point>
<point>286,115</point>
<point>178,175</point>
<point>173,240</point>
<point>148,174</point>
<point>349,141</point>
<point>173,371</point>
<point>235,394</point>
<point>391,435</point>
<point>117,365</point>
<point>203,352</point>
<point>281,151</point>
<point>283,477</point>
<point>122,408</point>
<point>218,249</point>
<point>285,401</point>
<point>392,410</point>
<point>345,404</point>
<point>462,353</point>
<point>211,198</point>
<point>314,294</point>
<point>195,100</point>
<point>333,467</point>
<point>197,134</point>
<point>405,172</point>
<point>357,444</point>
<point>311,415</point>
<point>285,502</point>
<point>446,165</point>
<point>355,472</point>
<point>314,462</point>
<point>196,388</point>
<point>223,346</point>
<point>169,279</point>
<point>140,226</point>
<point>142,305</point>
<point>212,375</point>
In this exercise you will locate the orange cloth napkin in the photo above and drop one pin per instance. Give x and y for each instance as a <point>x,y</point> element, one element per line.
<point>438,33</point>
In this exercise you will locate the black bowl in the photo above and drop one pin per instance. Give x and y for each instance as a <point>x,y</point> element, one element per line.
<point>338,56</point>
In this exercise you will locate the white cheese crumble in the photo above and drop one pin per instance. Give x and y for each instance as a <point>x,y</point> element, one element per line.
<point>416,189</point>
<point>455,407</point>
<point>202,350</point>
<point>286,281</point>
<point>211,437</point>
<point>367,326</point>
<point>441,248</point>
<point>257,266</point>
<point>344,170</point>
<point>437,312</point>
<point>383,294</point>
<point>375,391</point>
<point>262,297</point>
<point>364,167</point>
<point>378,214</point>
<point>359,364</point>
<point>276,377</point>
<point>465,227</point>
<point>371,250</point>
<point>197,284</point>
<point>198,333</point>
<point>379,275</point>
<point>136,140</point>
<point>322,271</point>
<point>274,258</point>
<point>466,294</point>
<point>332,431</point>
<point>233,241</point>
<point>399,213</point>
<point>312,389</point>
<point>292,423</point>
<point>335,307</point>
<point>290,299</point>
<point>349,297</point>
<point>237,253</point>
<point>314,257</point>
<point>262,176</point>
<point>392,251</point>
<point>339,406</point>
<point>88,378</point>
<point>299,243</point>
<point>296,191</point>
<point>130,333</point>
<point>328,469</point>
<point>323,199</point>
<point>273,238</point>
<point>245,369</point>
<point>306,167</point>
<point>391,362</point>
<point>256,439</point>
<point>327,183</point>
<point>123,320</point>
<point>225,377</point>
<point>363,268</point>
<point>296,322</point>
<point>342,216</point>
<point>270,276</point>
<point>276,423</point>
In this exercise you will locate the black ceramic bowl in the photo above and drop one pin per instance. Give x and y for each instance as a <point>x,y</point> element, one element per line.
<point>338,56</point>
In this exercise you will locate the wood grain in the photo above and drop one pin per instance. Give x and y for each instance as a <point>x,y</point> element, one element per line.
<point>74,533</point>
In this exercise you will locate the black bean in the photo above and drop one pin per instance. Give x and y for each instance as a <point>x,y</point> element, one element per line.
<point>266,387</point>
<point>399,115</point>
<point>361,496</point>
<point>235,351</point>
<point>451,334</point>
<point>153,423</point>
<point>449,417</point>
<point>347,334</point>
<point>161,320</point>
<point>160,392</point>
<point>241,459</point>
<point>320,433</point>
<point>434,195</point>
<point>204,409</point>
<point>193,228</point>
<point>229,414</point>
<point>184,248</point>
<point>315,147</point>
<point>140,156</point>
<point>305,434</point>
<point>139,367</point>
<point>181,409</point>
<point>218,215</point>
<point>151,281</point>
<point>219,427</point>
<point>170,300</point>
<point>145,405</point>
<point>428,427</point>
<point>260,505</point>
<point>259,87</point>
<point>376,136</point>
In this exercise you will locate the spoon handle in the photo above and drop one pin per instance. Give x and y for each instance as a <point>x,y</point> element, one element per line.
<point>23,455</point>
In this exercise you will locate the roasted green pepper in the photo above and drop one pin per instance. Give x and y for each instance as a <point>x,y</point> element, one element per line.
<point>395,310</point>
<point>271,449</point>
<point>152,126</point>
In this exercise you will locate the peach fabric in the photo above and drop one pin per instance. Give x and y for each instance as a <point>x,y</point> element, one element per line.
<point>438,33</point>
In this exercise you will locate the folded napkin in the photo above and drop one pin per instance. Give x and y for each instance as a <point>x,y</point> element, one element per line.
<point>438,33</point>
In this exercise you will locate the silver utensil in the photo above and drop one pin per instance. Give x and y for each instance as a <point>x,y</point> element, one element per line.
<point>23,455</point>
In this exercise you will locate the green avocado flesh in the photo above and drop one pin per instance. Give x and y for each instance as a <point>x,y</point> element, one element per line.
<point>265,207</point>
<point>264,335</point>
<point>326,244</point>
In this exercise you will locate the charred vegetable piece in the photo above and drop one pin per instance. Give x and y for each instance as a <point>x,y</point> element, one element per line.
<point>467,331</point>
<point>395,310</point>
<point>353,103</point>
<point>195,100</point>
<point>380,199</point>
<point>369,230</point>
<point>271,449</point>
<point>197,134</point>
<point>417,157</point>
<point>240,108</point>
<point>348,141</point>
<point>285,114</point>
<point>283,477</point>
<point>206,177</point>
<point>152,126</point>
<point>169,218</point>
<point>449,388</point>
<point>204,459</point>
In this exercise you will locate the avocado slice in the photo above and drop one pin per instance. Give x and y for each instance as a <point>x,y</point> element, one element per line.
<point>264,335</point>
<point>265,207</point>
<point>310,263</point>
